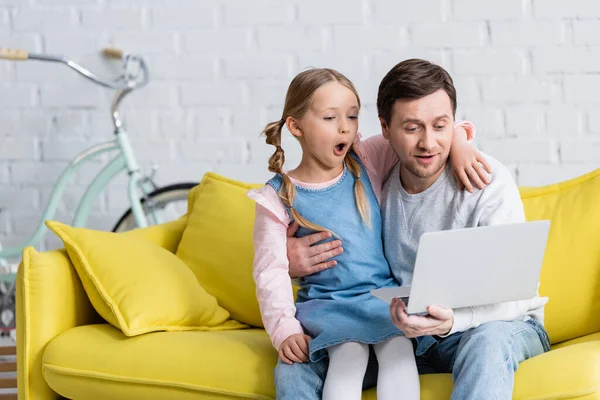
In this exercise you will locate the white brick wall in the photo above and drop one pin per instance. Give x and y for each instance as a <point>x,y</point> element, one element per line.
<point>527,74</point>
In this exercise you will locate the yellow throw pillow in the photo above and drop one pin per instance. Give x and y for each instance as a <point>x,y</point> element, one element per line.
<point>217,244</point>
<point>571,269</point>
<point>137,286</point>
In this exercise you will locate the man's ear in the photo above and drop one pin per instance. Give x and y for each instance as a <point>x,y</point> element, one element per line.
<point>294,127</point>
<point>384,128</point>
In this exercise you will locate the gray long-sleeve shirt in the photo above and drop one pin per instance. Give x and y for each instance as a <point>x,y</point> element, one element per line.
<point>442,207</point>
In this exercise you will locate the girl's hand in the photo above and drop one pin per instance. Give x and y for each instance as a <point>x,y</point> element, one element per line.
<point>467,162</point>
<point>294,349</point>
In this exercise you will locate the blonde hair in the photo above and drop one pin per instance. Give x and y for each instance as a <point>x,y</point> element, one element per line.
<point>297,102</point>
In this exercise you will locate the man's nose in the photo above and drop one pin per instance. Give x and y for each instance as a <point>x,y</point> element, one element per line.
<point>427,141</point>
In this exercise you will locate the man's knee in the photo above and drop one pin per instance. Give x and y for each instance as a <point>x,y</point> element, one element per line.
<point>306,378</point>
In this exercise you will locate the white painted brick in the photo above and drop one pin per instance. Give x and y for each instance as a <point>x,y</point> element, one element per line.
<point>18,149</point>
<point>252,67</point>
<point>145,42</point>
<point>188,67</point>
<point>488,62</point>
<point>4,22</point>
<point>383,63</point>
<point>290,39</point>
<point>209,122</point>
<point>176,124</point>
<point>56,149</point>
<point>566,9</point>
<point>511,151</point>
<point>155,151</point>
<point>101,125</point>
<point>25,41</point>
<point>215,94</point>
<point>524,120</point>
<point>488,121</point>
<point>4,175</point>
<point>19,198</point>
<point>582,89</point>
<point>467,91</point>
<point>181,172</point>
<point>586,32</point>
<point>353,66</point>
<point>258,13</point>
<point>155,95</point>
<point>35,71</point>
<point>214,151</point>
<point>117,18</point>
<point>73,44</point>
<point>68,2</point>
<point>178,18</point>
<point>69,123</point>
<point>449,35</point>
<point>566,60</point>
<point>36,20</point>
<point>563,121</point>
<point>9,123</point>
<point>249,122</point>
<point>526,33</point>
<point>61,96</point>
<point>142,124</point>
<point>580,151</point>
<point>474,10</point>
<point>369,39</point>
<point>18,96</point>
<point>541,175</point>
<point>510,91</point>
<point>36,173</point>
<point>399,12</point>
<point>260,151</point>
<point>316,12</point>
<point>369,124</point>
<point>268,93</point>
<point>34,122</point>
<point>203,42</point>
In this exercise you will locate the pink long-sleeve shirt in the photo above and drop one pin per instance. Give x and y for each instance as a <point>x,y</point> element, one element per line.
<point>271,268</point>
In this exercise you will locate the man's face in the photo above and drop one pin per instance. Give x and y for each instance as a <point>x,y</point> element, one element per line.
<point>420,132</point>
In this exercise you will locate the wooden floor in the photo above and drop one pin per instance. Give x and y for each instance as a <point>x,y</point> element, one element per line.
<point>8,373</point>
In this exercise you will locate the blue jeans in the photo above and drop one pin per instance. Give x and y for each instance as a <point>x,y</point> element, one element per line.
<point>482,361</point>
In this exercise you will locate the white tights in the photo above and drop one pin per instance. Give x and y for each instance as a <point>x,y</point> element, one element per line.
<point>398,377</point>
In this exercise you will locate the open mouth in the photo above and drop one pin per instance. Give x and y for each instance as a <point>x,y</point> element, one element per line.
<point>426,159</point>
<point>340,148</point>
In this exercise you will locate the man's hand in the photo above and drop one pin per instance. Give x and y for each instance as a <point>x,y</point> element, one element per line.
<point>305,259</point>
<point>438,322</point>
<point>294,349</point>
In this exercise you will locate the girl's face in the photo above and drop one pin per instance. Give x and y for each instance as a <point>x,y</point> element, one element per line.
<point>329,127</point>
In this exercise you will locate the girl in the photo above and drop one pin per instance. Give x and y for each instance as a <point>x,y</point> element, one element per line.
<point>331,191</point>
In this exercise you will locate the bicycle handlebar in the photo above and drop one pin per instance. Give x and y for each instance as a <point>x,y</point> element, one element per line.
<point>131,79</point>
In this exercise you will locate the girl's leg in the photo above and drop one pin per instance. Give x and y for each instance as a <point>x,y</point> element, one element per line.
<point>398,376</point>
<point>347,366</point>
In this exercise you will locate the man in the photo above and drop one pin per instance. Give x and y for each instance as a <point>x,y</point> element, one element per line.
<point>480,346</point>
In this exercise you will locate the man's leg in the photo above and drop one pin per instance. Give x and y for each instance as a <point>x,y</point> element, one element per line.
<point>300,380</point>
<point>483,362</point>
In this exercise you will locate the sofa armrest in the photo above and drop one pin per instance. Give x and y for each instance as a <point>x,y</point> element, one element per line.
<point>51,300</point>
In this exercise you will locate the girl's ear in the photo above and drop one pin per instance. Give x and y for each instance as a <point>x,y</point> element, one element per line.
<point>293,126</point>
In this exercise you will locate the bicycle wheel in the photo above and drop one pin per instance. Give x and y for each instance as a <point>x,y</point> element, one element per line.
<point>170,202</point>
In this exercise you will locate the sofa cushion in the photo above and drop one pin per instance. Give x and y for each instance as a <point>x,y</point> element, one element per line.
<point>571,270</point>
<point>217,244</point>
<point>137,286</point>
<point>97,362</point>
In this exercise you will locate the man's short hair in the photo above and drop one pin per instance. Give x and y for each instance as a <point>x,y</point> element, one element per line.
<point>412,79</point>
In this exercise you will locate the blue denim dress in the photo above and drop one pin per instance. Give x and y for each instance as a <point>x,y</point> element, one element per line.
<point>335,306</point>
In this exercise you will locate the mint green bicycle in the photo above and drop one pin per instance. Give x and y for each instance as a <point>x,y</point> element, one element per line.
<point>149,204</point>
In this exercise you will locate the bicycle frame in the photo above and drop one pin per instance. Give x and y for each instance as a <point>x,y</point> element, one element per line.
<point>123,161</point>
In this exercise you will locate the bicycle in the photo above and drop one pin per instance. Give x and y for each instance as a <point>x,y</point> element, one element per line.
<point>149,204</point>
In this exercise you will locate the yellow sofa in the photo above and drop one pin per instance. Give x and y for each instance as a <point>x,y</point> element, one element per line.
<point>65,349</point>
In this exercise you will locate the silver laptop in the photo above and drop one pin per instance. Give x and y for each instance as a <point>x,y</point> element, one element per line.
<point>474,266</point>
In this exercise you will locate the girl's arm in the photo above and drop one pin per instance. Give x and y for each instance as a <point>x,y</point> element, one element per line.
<point>270,269</point>
<point>379,158</point>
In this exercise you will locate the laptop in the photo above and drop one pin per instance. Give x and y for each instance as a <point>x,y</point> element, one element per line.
<point>474,266</point>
